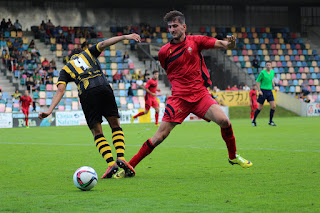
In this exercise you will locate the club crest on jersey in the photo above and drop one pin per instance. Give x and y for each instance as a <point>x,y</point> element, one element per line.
<point>190,50</point>
<point>170,50</point>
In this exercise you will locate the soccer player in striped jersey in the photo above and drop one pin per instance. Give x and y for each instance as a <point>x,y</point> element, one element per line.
<point>97,100</point>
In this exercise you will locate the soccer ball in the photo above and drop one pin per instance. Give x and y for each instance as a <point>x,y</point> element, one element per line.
<point>85,178</point>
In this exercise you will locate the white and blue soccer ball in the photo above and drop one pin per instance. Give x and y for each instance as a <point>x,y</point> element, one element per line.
<point>85,178</point>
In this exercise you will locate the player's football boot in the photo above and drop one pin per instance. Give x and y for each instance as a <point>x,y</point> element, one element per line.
<point>272,123</point>
<point>120,174</point>
<point>128,169</point>
<point>241,161</point>
<point>110,171</point>
<point>254,123</point>
<point>27,127</point>
<point>132,119</point>
<point>157,124</point>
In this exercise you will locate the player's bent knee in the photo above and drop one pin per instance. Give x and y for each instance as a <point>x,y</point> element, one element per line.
<point>224,122</point>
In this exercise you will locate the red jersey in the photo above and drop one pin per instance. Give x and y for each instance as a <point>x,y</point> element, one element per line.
<point>152,86</point>
<point>25,101</point>
<point>185,66</point>
<point>253,96</point>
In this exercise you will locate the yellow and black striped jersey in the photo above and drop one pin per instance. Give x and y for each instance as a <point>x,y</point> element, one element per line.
<point>84,69</point>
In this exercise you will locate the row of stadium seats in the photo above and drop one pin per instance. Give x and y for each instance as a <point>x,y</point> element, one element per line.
<point>297,89</point>
<point>270,52</point>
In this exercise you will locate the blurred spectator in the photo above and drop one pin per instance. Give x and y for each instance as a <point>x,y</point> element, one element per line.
<point>43,24</point>
<point>246,88</point>
<point>4,25</point>
<point>16,95</point>
<point>53,64</point>
<point>125,56</point>
<point>129,77</point>
<point>228,88</point>
<point>130,91</point>
<point>85,45</point>
<point>37,77</point>
<point>30,84</point>
<point>139,82</point>
<point>255,62</point>
<point>146,76</point>
<point>0,93</point>
<point>16,44</point>
<point>215,89</point>
<point>31,45</point>
<point>305,93</point>
<point>3,43</point>
<point>9,25</point>
<point>45,64</point>
<point>276,80</point>
<point>49,24</point>
<point>116,78</point>
<point>17,25</point>
<point>234,87</point>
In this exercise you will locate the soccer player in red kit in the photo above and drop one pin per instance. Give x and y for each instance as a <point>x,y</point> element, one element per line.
<point>189,77</point>
<point>25,101</point>
<point>150,97</point>
<point>253,100</point>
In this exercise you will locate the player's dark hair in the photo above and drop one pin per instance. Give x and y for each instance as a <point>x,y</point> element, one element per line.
<point>74,52</point>
<point>268,62</point>
<point>155,71</point>
<point>174,15</point>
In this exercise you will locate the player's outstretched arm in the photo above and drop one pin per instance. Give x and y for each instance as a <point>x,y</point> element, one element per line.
<point>230,43</point>
<point>116,39</point>
<point>55,100</point>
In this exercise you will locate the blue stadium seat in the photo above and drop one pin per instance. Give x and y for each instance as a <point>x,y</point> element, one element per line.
<point>115,86</point>
<point>127,85</point>
<point>116,92</point>
<point>136,106</point>
<point>313,88</point>
<point>299,64</point>
<point>118,53</point>
<point>282,89</point>
<point>49,94</point>
<point>250,71</point>
<point>295,82</point>
<point>318,76</point>
<point>298,75</point>
<point>68,107</point>
<point>48,101</point>
<point>311,69</point>
<point>123,93</point>
<point>103,65</point>
<point>68,88</point>
<point>107,52</point>
<point>292,89</point>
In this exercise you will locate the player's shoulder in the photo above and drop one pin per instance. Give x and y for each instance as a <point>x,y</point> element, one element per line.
<point>165,47</point>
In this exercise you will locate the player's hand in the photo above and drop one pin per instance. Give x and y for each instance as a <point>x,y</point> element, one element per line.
<point>43,115</point>
<point>154,94</point>
<point>260,92</point>
<point>133,36</point>
<point>231,42</point>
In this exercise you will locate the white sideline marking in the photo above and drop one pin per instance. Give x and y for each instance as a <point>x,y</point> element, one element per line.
<point>163,146</point>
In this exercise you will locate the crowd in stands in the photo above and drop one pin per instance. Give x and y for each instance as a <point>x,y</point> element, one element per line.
<point>9,26</point>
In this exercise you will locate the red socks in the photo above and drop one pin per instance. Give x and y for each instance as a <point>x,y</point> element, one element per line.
<point>27,121</point>
<point>145,150</point>
<point>228,137</point>
<point>157,117</point>
<point>252,114</point>
<point>139,114</point>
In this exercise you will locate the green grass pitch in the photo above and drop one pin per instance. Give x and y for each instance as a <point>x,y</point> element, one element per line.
<point>189,172</point>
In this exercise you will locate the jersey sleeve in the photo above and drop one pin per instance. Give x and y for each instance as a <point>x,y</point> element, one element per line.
<point>95,51</point>
<point>259,77</point>
<point>64,77</point>
<point>204,42</point>
<point>161,57</point>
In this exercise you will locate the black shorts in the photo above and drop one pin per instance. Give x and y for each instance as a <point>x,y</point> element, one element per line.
<point>97,102</point>
<point>267,94</point>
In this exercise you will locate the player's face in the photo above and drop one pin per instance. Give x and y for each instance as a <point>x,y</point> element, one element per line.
<point>268,66</point>
<point>176,29</point>
<point>254,87</point>
<point>155,76</point>
<point>26,93</point>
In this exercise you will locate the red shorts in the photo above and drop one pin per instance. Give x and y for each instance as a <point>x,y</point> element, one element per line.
<point>151,102</point>
<point>25,111</point>
<point>254,106</point>
<point>178,109</point>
